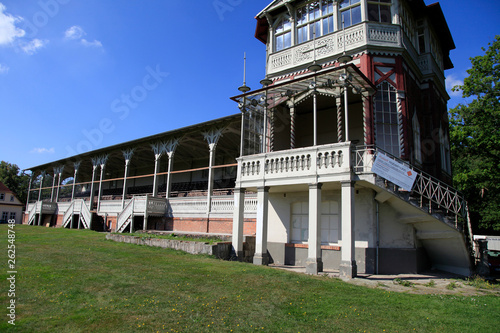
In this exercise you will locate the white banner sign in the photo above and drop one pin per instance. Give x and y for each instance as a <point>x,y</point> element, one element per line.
<point>394,172</point>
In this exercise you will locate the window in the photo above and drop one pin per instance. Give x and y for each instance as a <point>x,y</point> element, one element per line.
<point>329,222</point>
<point>283,34</point>
<point>350,11</point>
<point>11,198</point>
<point>2,196</point>
<point>421,37</point>
<point>12,216</point>
<point>5,215</point>
<point>315,17</point>
<point>300,222</point>
<point>417,143</point>
<point>379,11</point>
<point>445,151</point>
<point>386,115</point>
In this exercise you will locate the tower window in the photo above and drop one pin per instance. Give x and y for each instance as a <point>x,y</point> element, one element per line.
<point>316,16</point>
<point>386,115</point>
<point>379,11</point>
<point>283,34</point>
<point>350,11</point>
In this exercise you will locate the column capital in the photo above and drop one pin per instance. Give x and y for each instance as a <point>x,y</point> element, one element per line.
<point>347,183</point>
<point>263,189</point>
<point>314,186</point>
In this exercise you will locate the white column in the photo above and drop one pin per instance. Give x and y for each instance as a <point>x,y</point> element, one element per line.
<point>169,173</point>
<point>94,168</point>
<point>238,221</point>
<point>41,185</point>
<point>261,257</point>
<point>77,166</point>
<point>155,179</point>
<point>60,171</point>
<point>28,194</point>
<point>314,264</point>
<point>348,267</point>
<point>127,155</point>
<point>315,118</point>
<point>212,138</point>
<point>210,177</point>
<point>146,215</point>
<point>53,186</point>
<point>99,193</point>
<point>170,148</point>
<point>125,175</point>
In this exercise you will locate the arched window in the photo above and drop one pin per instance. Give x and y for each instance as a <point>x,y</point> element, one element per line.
<point>417,139</point>
<point>283,34</point>
<point>386,119</point>
<point>316,16</point>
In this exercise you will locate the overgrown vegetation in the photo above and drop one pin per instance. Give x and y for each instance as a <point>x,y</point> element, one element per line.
<point>76,281</point>
<point>475,140</point>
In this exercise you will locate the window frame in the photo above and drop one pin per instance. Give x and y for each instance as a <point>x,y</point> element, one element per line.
<point>281,21</point>
<point>417,138</point>
<point>392,112</point>
<point>2,196</point>
<point>320,19</point>
<point>379,4</point>
<point>12,216</point>
<point>349,8</point>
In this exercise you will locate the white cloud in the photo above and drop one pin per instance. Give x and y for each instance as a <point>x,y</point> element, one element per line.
<point>4,69</point>
<point>452,81</point>
<point>75,32</point>
<point>95,43</point>
<point>33,46</point>
<point>42,151</point>
<point>8,30</point>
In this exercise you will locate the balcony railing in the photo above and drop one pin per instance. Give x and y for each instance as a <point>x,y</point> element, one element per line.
<point>332,45</point>
<point>296,166</point>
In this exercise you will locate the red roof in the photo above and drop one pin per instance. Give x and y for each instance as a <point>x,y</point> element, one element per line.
<point>4,188</point>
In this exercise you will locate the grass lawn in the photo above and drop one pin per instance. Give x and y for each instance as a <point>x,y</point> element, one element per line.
<point>76,281</point>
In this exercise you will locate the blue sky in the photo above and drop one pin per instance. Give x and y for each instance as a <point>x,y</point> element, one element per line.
<point>77,75</point>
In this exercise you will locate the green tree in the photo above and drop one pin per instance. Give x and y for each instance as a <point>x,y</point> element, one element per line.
<point>16,180</point>
<point>475,140</point>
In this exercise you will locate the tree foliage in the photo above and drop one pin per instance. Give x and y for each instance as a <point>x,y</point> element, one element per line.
<point>475,140</point>
<point>16,180</point>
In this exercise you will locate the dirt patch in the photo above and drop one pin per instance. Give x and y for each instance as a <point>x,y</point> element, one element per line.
<point>430,284</point>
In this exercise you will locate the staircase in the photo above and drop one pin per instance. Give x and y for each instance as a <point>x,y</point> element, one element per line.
<point>78,207</point>
<point>32,214</point>
<point>126,216</point>
<point>431,196</point>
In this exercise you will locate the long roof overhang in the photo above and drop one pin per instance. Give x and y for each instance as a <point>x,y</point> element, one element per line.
<point>190,138</point>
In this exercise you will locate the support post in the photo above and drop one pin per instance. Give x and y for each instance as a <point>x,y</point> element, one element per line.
<point>28,194</point>
<point>127,155</point>
<point>238,221</point>
<point>340,125</point>
<point>77,166</point>
<point>41,185</point>
<point>59,172</point>
<point>145,224</point>
<point>348,268</point>
<point>170,148</point>
<point>314,263</point>
<point>261,257</point>
<point>53,186</point>
<point>315,117</point>
<point>291,106</point>
<point>99,193</point>
<point>346,110</point>
<point>95,164</point>
<point>212,138</point>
